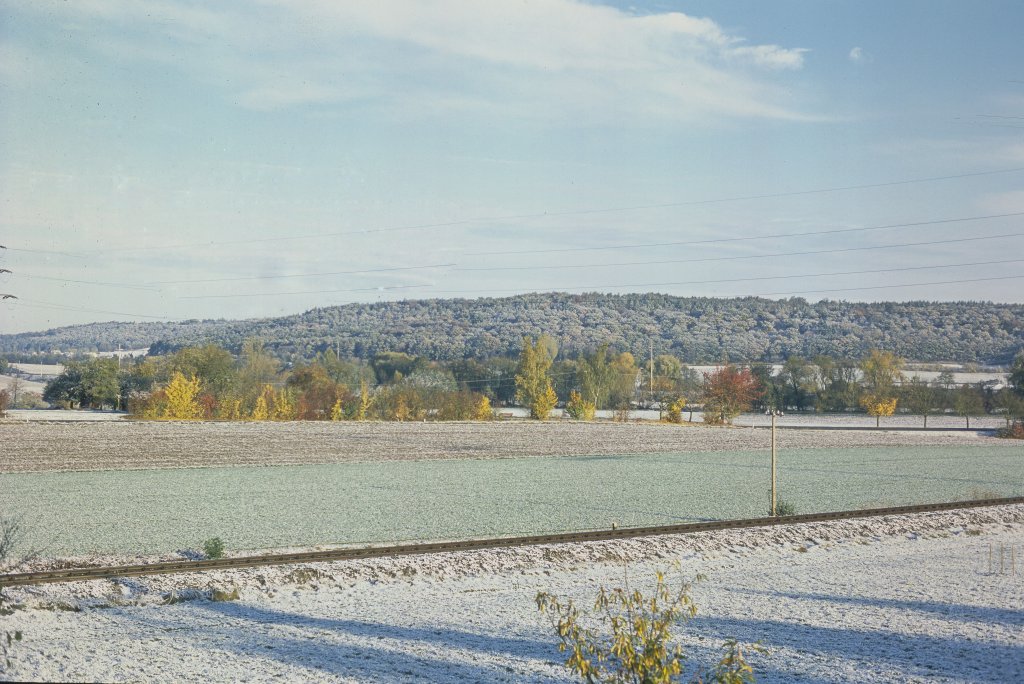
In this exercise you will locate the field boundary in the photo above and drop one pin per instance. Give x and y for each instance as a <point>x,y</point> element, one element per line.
<point>385,551</point>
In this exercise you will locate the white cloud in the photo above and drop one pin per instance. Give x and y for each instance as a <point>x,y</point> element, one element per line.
<point>556,59</point>
<point>858,56</point>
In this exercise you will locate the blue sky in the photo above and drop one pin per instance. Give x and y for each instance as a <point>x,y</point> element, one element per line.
<point>191,160</point>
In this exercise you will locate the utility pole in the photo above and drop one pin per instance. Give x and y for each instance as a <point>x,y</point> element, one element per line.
<point>774,500</point>
<point>652,376</point>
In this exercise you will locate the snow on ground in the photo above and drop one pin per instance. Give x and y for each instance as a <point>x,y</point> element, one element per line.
<point>40,369</point>
<point>896,599</point>
<point>110,443</point>
<point>24,386</point>
<point>62,415</point>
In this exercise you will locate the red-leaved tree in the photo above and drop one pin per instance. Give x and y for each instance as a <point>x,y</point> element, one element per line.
<point>728,392</point>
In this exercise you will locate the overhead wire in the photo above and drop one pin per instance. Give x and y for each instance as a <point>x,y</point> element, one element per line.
<point>742,256</point>
<point>748,238</point>
<point>571,212</point>
<point>300,275</point>
<point>274,294</point>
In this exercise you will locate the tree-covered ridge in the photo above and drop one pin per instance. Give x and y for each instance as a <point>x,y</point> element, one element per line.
<point>694,329</point>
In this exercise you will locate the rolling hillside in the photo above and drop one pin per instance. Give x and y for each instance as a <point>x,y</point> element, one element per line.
<point>696,329</point>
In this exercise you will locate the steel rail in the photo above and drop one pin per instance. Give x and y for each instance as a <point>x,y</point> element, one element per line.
<point>358,553</point>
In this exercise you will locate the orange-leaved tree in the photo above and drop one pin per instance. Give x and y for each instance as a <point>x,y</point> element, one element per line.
<point>728,392</point>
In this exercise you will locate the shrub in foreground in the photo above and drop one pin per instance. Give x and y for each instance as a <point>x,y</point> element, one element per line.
<point>627,637</point>
<point>213,547</point>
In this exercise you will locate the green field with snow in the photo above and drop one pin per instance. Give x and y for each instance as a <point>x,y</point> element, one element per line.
<point>150,511</point>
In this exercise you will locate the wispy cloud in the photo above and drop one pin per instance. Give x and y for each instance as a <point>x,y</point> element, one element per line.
<point>552,59</point>
<point>859,56</point>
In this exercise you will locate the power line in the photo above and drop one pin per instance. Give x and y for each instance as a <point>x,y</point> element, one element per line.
<point>739,257</point>
<point>275,294</point>
<point>641,263</point>
<point>737,280</point>
<point>748,238</point>
<point>34,304</point>
<point>89,282</point>
<point>574,212</point>
<point>886,287</point>
<point>43,251</point>
<point>595,288</point>
<point>302,275</point>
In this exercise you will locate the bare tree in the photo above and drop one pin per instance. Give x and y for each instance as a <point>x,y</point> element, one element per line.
<point>12,536</point>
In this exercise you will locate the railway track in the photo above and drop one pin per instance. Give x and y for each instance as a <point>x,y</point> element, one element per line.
<point>113,572</point>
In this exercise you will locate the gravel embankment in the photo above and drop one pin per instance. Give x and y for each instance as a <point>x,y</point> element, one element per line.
<point>901,598</point>
<point>543,559</point>
<point>113,445</point>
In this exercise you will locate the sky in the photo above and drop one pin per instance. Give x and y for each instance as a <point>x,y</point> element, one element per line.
<point>173,160</point>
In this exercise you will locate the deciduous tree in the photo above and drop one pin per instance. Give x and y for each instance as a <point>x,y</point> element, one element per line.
<point>728,392</point>
<point>968,401</point>
<point>533,384</point>
<point>181,395</point>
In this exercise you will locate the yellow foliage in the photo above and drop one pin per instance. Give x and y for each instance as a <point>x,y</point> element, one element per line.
<point>229,408</point>
<point>336,411</point>
<point>401,412</point>
<point>675,411</point>
<point>181,396</point>
<point>483,410</point>
<point>284,409</point>
<point>543,403</point>
<point>261,411</point>
<point>580,409</point>
<point>879,406</point>
<point>364,400</point>
<point>640,646</point>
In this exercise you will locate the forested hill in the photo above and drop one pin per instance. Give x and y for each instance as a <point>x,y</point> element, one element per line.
<point>696,329</point>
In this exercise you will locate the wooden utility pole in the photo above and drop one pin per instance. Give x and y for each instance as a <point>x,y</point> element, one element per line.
<point>652,375</point>
<point>773,465</point>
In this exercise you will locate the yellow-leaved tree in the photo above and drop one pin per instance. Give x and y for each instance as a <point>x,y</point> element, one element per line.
<point>579,408</point>
<point>483,410</point>
<point>533,384</point>
<point>337,412</point>
<point>880,372</point>
<point>674,412</point>
<point>878,406</point>
<point>181,394</point>
<point>261,411</point>
<point>364,400</point>
<point>284,407</point>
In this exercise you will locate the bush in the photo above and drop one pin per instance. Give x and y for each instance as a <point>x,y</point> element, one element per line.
<point>674,412</point>
<point>578,408</point>
<point>783,507</point>
<point>12,537</point>
<point>1014,431</point>
<point>213,547</point>
<point>640,646</point>
<point>5,402</point>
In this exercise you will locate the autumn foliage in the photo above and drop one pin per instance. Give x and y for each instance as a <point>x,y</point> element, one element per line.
<point>728,392</point>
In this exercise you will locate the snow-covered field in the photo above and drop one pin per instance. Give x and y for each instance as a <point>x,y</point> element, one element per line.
<point>39,369</point>
<point>24,386</point>
<point>62,415</point>
<point>33,445</point>
<point>899,599</point>
<point>160,510</point>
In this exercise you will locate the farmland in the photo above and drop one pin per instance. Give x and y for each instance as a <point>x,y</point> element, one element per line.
<point>300,484</point>
<point>32,446</point>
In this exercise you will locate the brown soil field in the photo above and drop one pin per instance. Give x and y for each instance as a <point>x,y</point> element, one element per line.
<point>115,445</point>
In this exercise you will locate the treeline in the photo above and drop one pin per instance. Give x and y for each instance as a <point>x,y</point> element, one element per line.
<point>696,330</point>
<point>209,382</point>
